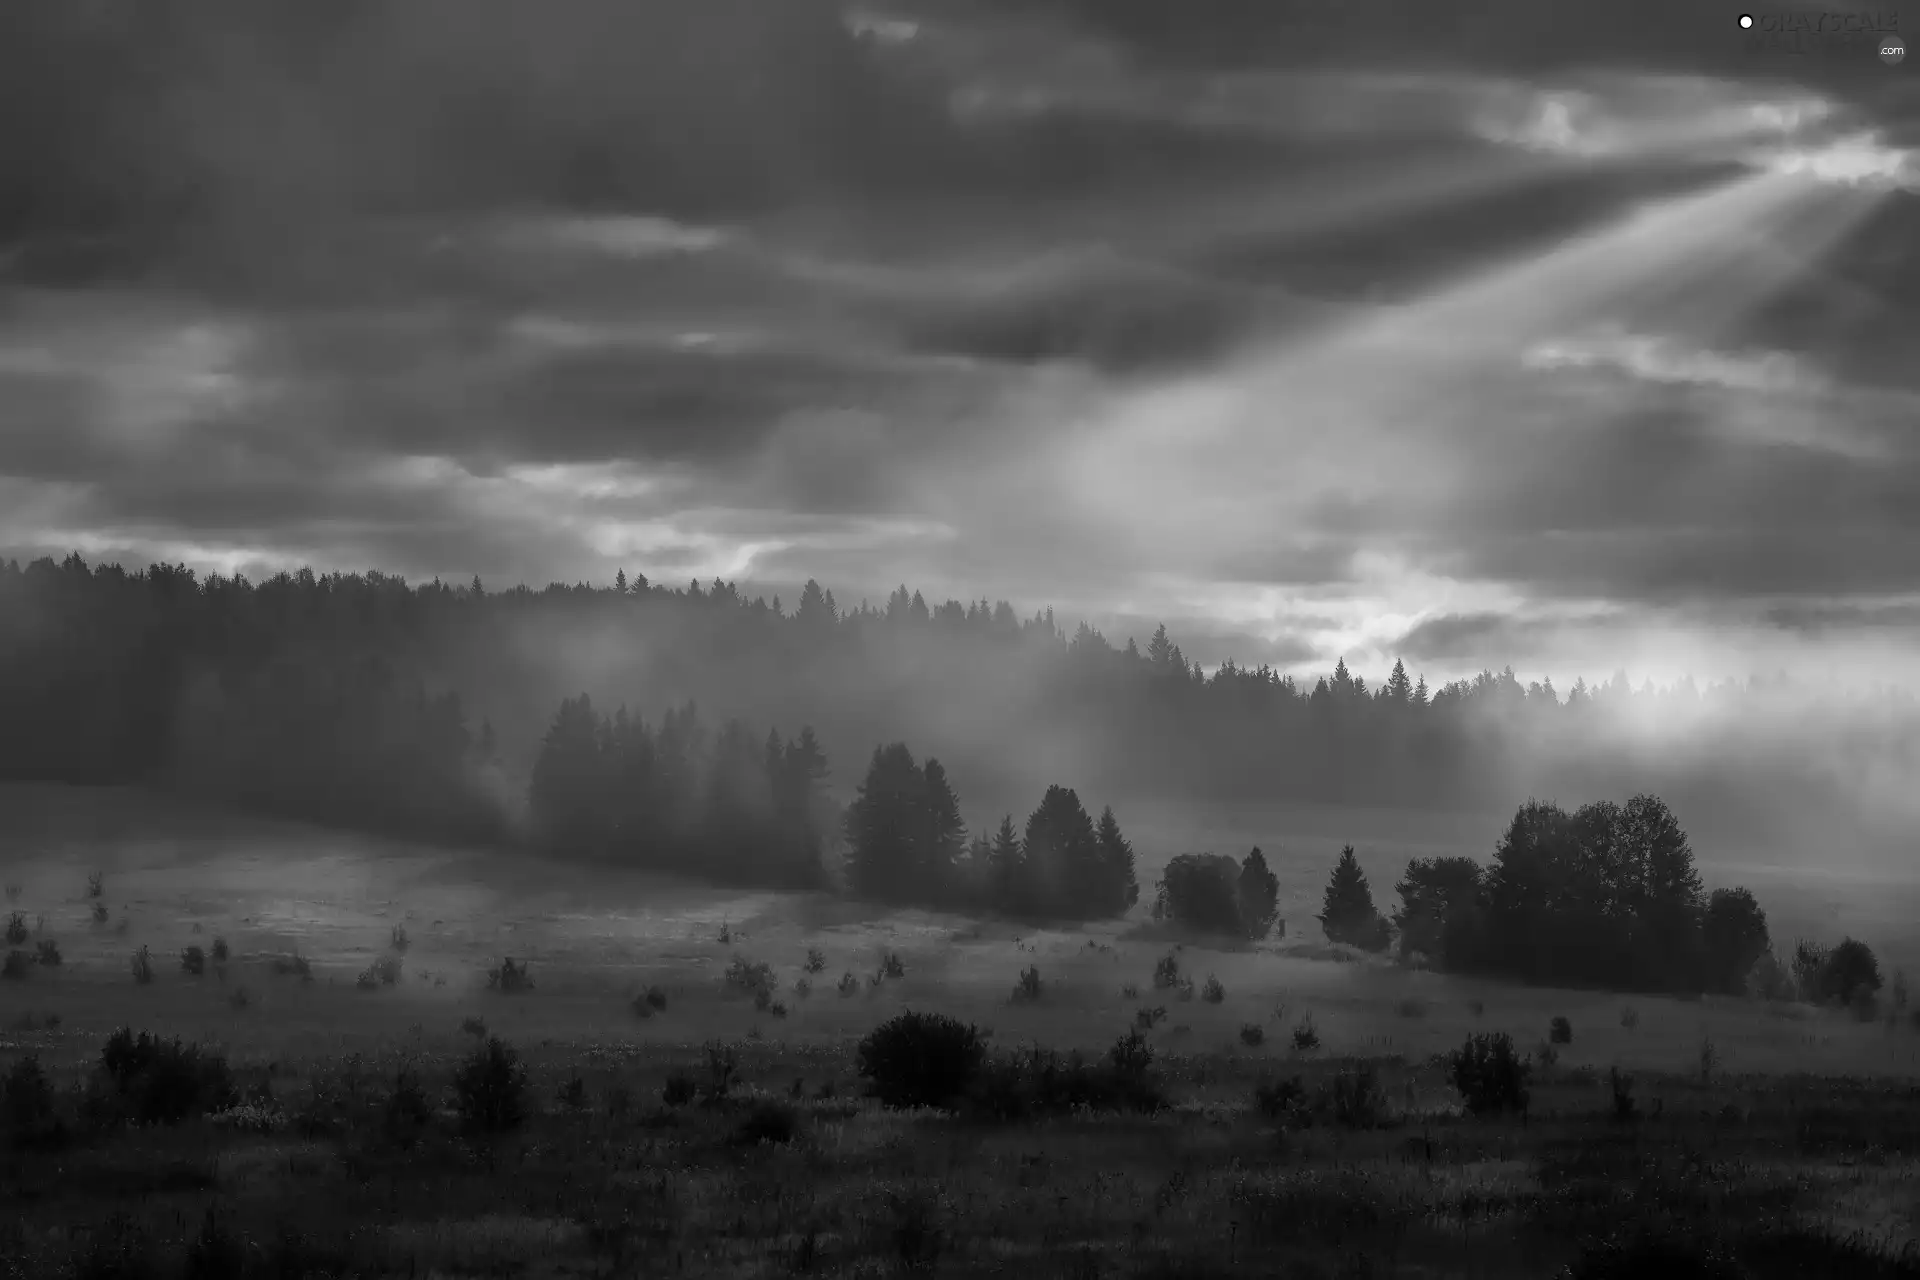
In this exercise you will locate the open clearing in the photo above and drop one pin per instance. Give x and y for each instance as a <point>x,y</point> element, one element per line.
<point>614,1184</point>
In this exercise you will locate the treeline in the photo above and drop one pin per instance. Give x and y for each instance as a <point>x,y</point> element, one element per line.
<point>247,690</point>
<point>733,808</point>
<point>907,844</point>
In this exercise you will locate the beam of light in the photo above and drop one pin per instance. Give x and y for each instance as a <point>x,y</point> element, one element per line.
<point>1233,457</point>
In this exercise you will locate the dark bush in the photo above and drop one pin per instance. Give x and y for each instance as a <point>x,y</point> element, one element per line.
<point>1213,992</point>
<point>921,1059</point>
<point>143,966</point>
<point>891,967</point>
<point>816,960</point>
<point>17,931</point>
<point>1306,1037</point>
<point>1620,1085</point>
<point>1146,1019</point>
<point>27,1096</point>
<point>1278,1099</point>
<point>1028,988</point>
<point>193,961</point>
<point>1353,1099</point>
<point>1849,969</point>
<point>1489,1075</point>
<point>18,964</point>
<point>490,1088</point>
<point>47,952</point>
<point>749,978</point>
<point>165,1081</point>
<point>848,984</point>
<point>767,1120</point>
<point>220,951</point>
<point>1040,1082</point>
<point>1560,1031</point>
<point>1166,971</point>
<point>96,884</point>
<point>680,1089</point>
<point>408,1110</point>
<point>723,1071</point>
<point>510,977</point>
<point>1252,1034</point>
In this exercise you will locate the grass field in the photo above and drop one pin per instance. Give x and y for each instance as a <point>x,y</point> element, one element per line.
<point>1804,1131</point>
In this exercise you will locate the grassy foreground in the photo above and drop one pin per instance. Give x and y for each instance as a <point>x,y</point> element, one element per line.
<point>778,1167</point>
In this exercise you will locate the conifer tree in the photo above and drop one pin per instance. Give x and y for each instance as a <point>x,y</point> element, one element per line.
<point>1119,887</point>
<point>1259,895</point>
<point>1347,913</point>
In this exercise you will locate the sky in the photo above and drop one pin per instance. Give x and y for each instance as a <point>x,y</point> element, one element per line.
<point>1496,354</point>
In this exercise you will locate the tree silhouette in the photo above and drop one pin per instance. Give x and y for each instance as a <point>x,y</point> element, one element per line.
<point>1347,912</point>
<point>1259,895</point>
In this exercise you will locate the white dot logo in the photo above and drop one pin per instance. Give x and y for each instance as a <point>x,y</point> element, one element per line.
<point>1892,50</point>
<point>1746,22</point>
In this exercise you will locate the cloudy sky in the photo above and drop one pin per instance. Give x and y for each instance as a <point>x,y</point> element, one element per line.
<point>1569,362</point>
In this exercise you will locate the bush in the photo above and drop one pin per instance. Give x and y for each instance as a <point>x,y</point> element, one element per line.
<point>220,951</point>
<point>1166,972</point>
<point>142,966</point>
<point>1621,1086</point>
<point>1277,1099</point>
<point>490,1088</point>
<point>1850,969</point>
<point>1560,1031</point>
<point>1252,1035</point>
<point>18,964</point>
<point>749,978</point>
<point>816,960</point>
<point>767,1120</point>
<point>1354,1099</point>
<point>1306,1037</point>
<point>240,998</point>
<point>17,931</point>
<point>47,952</point>
<point>1489,1075</point>
<point>1028,988</point>
<point>193,961</point>
<point>99,913</point>
<point>397,939</point>
<point>510,977</point>
<point>27,1096</point>
<point>680,1089</point>
<point>293,966</point>
<point>920,1059</point>
<point>165,1081</point>
<point>1131,991</point>
<point>802,988</point>
<point>96,884</point>
<point>723,1070</point>
<point>1213,992</point>
<point>848,984</point>
<point>1546,1055</point>
<point>1147,1019</point>
<point>890,966</point>
<point>1629,1017</point>
<point>1040,1082</point>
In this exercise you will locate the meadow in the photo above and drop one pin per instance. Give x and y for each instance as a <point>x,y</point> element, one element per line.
<point>1783,1136</point>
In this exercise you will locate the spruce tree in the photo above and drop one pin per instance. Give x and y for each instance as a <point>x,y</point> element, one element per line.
<point>1347,913</point>
<point>1259,895</point>
<point>945,835</point>
<point>886,826</point>
<point>1006,870</point>
<point>1119,886</point>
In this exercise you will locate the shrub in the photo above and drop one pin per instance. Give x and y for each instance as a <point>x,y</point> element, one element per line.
<point>385,970</point>
<point>490,1088</point>
<point>679,1089</point>
<point>193,961</point>
<point>573,1093</point>
<point>17,931</point>
<point>143,966</point>
<point>1306,1037</point>
<point>99,913</point>
<point>1629,1017</point>
<point>1146,1019</point>
<point>920,1059</point>
<point>1276,1099</point>
<point>848,984</point>
<point>723,1070</point>
<point>1028,988</point>
<point>1847,970</point>
<point>1478,1008</point>
<point>1560,1031</point>
<point>1709,1060</point>
<point>96,884</point>
<point>47,952</point>
<point>294,966</point>
<point>1489,1075</point>
<point>13,893</point>
<point>510,977</point>
<point>1864,1005</point>
<point>1621,1086</point>
<point>1213,992</point>
<point>890,966</point>
<point>816,960</point>
<point>1166,972</point>
<point>1131,991</point>
<point>802,988</point>
<point>240,998</point>
<point>476,1027</point>
<point>18,964</point>
<point>749,978</point>
<point>775,1009</point>
<point>1354,1099</point>
<point>767,1120</point>
<point>165,1081</point>
<point>1252,1035</point>
<point>220,951</point>
<point>1546,1055</point>
<point>27,1096</point>
<point>397,938</point>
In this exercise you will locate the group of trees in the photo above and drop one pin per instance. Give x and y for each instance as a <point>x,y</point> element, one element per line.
<point>907,843</point>
<point>1211,893</point>
<point>734,808</point>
